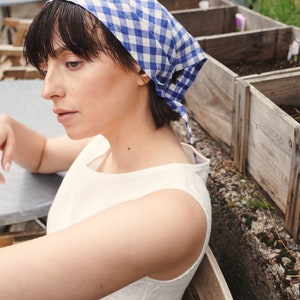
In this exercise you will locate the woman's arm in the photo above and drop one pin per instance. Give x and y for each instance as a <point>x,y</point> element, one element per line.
<point>160,235</point>
<point>59,153</point>
<point>33,151</point>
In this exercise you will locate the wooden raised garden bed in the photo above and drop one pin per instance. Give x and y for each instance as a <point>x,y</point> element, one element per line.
<point>269,120</point>
<point>211,99</point>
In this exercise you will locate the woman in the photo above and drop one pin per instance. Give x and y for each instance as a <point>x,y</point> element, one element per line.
<point>132,217</point>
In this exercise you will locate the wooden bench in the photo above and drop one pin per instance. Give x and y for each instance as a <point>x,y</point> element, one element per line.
<point>14,52</point>
<point>11,238</point>
<point>22,72</point>
<point>208,283</point>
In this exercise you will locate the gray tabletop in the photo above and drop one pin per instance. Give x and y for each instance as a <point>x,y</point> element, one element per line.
<point>27,196</point>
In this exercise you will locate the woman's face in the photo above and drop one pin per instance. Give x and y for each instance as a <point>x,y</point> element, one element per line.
<point>90,97</point>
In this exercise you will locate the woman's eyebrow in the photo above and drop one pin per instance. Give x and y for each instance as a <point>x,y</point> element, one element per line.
<point>60,50</point>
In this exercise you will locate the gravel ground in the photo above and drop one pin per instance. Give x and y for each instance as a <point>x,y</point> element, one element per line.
<point>258,257</point>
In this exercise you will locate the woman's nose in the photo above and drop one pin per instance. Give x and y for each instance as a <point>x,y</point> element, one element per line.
<point>53,84</point>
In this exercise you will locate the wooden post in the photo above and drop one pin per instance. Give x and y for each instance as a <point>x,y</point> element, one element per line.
<point>292,215</point>
<point>241,124</point>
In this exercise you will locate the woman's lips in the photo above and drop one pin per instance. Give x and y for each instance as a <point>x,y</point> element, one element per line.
<point>63,115</point>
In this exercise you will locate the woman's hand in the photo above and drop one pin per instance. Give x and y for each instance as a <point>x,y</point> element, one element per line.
<point>7,144</point>
<point>21,144</point>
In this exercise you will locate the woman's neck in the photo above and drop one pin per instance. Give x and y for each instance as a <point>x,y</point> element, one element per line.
<point>142,149</point>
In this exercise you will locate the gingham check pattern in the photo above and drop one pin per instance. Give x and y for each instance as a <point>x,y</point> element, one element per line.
<point>168,54</point>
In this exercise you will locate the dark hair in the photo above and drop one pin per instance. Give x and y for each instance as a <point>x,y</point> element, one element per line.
<point>84,35</point>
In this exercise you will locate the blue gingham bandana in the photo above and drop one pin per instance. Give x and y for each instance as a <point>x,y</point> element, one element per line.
<point>166,52</point>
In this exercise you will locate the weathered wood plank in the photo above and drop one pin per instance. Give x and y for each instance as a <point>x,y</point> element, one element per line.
<point>179,4</point>
<point>271,132</point>
<point>19,232</point>
<point>210,101</point>
<point>186,4</point>
<point>9,50</point>
<point>13,22</point>
<point>284,39</point>
<point>241,124</point>
<point>208,22</point>
<point>208,283</point>
<point>220,20</point>
<point>292,217</point>
<point>17,237</point>
<point>22,72</point>
<point>250,46</point>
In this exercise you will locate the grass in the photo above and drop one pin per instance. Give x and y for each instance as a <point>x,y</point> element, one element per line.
<point>285,11</point>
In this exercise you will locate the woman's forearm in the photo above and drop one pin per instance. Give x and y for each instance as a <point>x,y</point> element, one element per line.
<point>29,146</point>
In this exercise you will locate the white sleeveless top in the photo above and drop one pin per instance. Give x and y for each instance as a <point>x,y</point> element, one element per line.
<point>84,192</point>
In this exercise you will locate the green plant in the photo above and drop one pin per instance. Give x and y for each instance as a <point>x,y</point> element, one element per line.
<point>285,11</point>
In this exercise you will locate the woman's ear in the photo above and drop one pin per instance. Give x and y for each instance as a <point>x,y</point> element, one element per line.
<point>144,77</point>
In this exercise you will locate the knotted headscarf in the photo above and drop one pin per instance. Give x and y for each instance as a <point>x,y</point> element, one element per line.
<point>166,52</point>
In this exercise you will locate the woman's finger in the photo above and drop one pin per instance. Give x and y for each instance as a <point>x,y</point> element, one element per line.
<point>8,153</point>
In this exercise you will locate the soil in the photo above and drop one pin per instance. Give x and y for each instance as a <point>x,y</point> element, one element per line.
<point>293,111</point>
<point>243,69</point>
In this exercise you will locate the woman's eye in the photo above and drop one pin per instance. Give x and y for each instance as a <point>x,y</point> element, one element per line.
<point>73,64</point>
